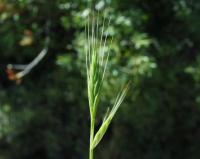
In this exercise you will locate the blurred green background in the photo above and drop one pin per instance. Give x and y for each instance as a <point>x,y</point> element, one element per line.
<point>156,45</point>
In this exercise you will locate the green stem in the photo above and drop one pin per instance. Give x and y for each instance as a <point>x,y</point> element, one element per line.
<point>91,150</point>
<point>91,154</point>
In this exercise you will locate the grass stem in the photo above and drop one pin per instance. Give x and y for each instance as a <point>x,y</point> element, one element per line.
<point>91,150</point>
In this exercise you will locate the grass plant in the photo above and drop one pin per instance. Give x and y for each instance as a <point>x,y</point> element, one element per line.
<point>97,59</point>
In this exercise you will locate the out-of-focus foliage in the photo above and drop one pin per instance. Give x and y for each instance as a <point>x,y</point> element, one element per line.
<point>155,44</point>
